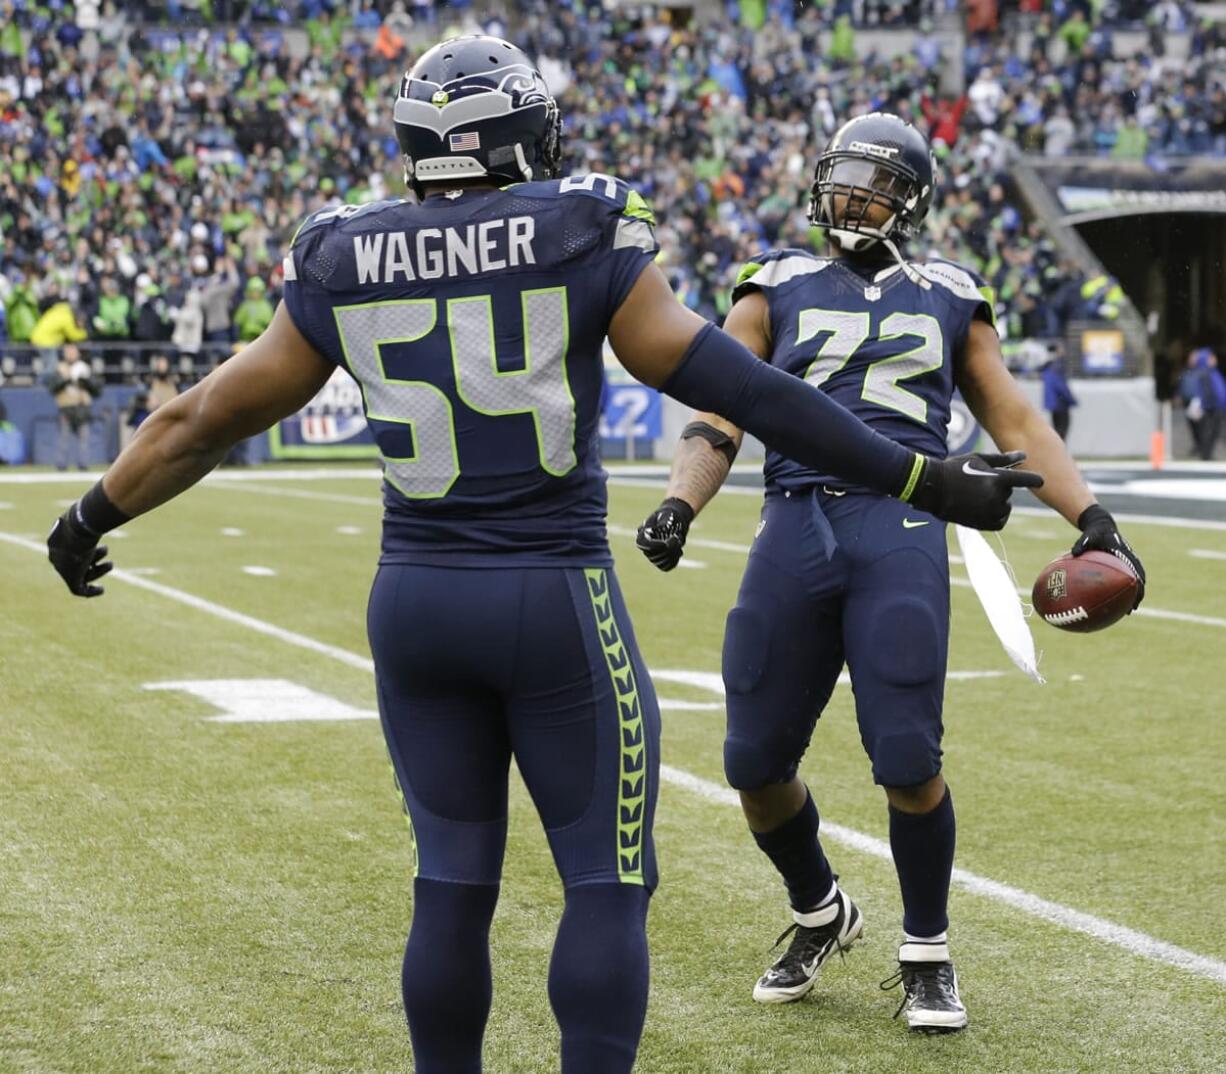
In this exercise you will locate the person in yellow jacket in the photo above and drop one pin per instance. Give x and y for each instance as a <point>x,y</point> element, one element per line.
<point>57,326</point>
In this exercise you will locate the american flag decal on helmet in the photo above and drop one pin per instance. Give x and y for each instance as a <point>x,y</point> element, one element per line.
<point>465,140</point>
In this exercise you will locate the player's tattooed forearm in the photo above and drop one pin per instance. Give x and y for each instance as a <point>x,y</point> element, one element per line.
<point>698,472</point>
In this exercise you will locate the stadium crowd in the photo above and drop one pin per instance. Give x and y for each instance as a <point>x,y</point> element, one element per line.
<point>151,175</point>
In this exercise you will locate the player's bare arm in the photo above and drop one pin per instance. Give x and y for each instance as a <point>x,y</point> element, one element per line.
<point>1015,425</point>
<point>705,453</point>
<point>183,440</point>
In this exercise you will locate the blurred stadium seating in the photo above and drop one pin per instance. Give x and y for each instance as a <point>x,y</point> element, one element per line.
<point>173,147</point>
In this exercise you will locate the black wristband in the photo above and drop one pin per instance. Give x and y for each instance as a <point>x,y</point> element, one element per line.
<point>680,506</point>
<point>95,512</point>
<point>718,439</point>
<point>1096,512</point>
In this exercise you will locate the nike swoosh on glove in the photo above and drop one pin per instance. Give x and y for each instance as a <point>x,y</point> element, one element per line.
<point>972,490</point>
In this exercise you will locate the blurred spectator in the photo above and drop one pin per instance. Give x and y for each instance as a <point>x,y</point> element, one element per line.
<point>12,443</point>
<point>255,312</point>
<point>56,325</point>
<point>72,386</point>
<point>188,334</point>
<point>1203,392</point>
<point>1058,398</point>
<point>163,383</point>
<point>215,298</point>
<point>112,321</point>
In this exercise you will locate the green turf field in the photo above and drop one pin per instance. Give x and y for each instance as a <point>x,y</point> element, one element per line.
<point>179,894</point>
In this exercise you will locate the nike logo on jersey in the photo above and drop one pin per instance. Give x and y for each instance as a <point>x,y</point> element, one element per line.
<point>912,523</point>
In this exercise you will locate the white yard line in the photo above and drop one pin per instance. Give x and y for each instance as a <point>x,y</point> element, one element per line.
<point>1137,943</point>
<point>1205,553</point>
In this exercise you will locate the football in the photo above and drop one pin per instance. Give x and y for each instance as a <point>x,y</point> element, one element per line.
<point>1085,593</point>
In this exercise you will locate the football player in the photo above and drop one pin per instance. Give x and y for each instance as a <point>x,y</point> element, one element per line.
<point>840,574</point>
<point>474,317</point>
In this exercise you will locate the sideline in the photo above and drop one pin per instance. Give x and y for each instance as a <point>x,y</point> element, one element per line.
<point>1130,940</point>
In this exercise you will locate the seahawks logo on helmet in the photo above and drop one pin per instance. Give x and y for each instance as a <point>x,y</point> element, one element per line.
<point>475,107</point>
<point>874,182</point>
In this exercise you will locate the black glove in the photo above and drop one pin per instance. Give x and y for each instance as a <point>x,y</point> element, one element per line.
<point>75,553</point>
<point>661,537</point>
<point>1099,531</point>
<point>972,490</point>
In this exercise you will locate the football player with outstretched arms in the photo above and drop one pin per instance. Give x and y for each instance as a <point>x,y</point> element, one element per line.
<point>839,574</point>
<point>474,317</point>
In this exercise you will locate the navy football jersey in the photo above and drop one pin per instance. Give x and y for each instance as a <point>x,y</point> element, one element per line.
<point>475,324</point>
<point>881,344</point>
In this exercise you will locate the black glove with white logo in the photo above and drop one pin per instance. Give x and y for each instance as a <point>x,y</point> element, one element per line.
<point>661,537</point>
<point>1099,532</point>
<point>972,490</point>
<point>75,553</point>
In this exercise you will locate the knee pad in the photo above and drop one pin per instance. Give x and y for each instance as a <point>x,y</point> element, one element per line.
<point>907,642</point>
<point>746,638</point>
<point>905,759</point>
<point>749,765</point>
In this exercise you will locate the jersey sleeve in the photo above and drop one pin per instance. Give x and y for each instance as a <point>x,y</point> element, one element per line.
<point>964,287</point>
<point>768,272</point>
<point>306,300</point>
<point>630,239</point>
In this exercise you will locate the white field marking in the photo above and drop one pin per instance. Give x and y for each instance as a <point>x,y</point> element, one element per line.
<point>1177,488</point>
<point>709,680</point>
<point>1144,612</point>
<point>1205,553</point>
<point>143,572</point>
<point>669,705</point>
<point>231,531</point>
<point>349,531</point>
<point>692,564</point>
<point>297,494</point>
<point>694,542</point>
<point>64,503</point>
<point>1175,522</point>
<point>4,506</point>
<point>121,534</point>
<point>270,474</point>
<point>1137,943</point>
<point>265,701</point>
<point>260,572</point>
<point>343,656</point>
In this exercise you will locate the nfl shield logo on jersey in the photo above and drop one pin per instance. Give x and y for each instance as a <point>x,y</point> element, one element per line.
<point>872,293</point>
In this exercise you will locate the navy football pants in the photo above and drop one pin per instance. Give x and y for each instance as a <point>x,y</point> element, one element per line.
<point>474,667</point>
<point>831,579</point>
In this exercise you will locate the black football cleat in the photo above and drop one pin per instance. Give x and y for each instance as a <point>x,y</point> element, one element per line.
<point>797,970</point>
<point>930,988</point>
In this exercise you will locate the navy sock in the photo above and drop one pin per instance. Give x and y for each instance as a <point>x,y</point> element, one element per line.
<point>923,846</point>
<point>598,977</point>
<point>446,978</point>
<point>794,849</point>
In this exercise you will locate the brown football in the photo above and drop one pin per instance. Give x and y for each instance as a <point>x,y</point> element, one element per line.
<point>1085,593</point>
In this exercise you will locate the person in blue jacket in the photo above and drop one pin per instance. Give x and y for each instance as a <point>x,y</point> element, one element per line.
<point>1058,398</point>
<point>1203,391</point>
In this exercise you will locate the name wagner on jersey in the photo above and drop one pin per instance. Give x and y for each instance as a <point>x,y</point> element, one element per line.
<point>430,253</point>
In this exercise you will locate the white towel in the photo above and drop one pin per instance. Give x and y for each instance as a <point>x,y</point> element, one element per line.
<point>994,586</point>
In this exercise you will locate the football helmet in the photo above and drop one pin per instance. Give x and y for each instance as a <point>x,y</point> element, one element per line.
<point>884,174</point>
<point>475,107</point>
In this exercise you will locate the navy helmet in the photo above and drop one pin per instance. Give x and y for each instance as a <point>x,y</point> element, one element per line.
<point>877,159</point>
<point>476,107</point>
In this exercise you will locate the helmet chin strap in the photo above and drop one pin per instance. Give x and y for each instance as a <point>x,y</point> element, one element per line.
<point>858,241</point>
